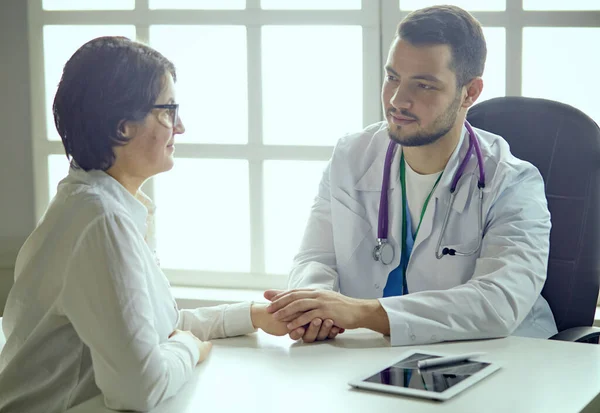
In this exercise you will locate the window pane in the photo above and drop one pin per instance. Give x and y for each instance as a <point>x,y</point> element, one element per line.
<point>311,4</point>
<point>561,5</point>
<point>312,84</point>
<point>198,4</point>
<point>58,168</point>
<point>202,215</point>
<point>212,85</point>
<point>290,188</point>
<point>88,4</point>
<point>60,42</point>
<point>561,79</point>
<point>471,5</point>
<point>494,74</point>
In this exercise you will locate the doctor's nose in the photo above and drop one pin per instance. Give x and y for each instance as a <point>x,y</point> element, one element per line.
<point>400,99</point>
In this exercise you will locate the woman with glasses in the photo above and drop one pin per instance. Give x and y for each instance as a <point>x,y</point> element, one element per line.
<point>91,310</point>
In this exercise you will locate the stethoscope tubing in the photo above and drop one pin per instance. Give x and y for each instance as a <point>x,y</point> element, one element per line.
<point>382,220</point>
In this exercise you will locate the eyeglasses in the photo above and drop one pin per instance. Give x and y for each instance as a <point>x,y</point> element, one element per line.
<point>172,114</point>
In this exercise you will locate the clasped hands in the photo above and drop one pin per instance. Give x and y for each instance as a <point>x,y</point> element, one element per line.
<point>313,315</point>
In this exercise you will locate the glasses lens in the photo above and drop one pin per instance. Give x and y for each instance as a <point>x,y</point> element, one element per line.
<point>168,116</point>
<point>174,115</point>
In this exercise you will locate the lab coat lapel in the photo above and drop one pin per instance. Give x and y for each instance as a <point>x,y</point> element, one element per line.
<point>371,182</point>
<point>371,179</point>
<point>441,196</point>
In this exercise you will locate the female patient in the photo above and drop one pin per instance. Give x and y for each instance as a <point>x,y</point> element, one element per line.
<point>90,310</point>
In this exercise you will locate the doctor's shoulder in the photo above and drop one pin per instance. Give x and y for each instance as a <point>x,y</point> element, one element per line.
<point>361,147</point>
<point>504,170</point>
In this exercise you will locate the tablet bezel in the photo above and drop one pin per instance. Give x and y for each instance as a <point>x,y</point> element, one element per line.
<point>403,391</point>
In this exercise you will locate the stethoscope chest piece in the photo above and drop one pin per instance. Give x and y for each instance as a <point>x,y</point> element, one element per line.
<point>383,252</point>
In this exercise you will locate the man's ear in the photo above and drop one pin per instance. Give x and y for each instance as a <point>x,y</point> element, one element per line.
<point>473,89</point>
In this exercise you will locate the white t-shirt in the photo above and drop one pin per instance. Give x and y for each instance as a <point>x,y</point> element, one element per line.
<point>91,310</point>
<point>418,188</point>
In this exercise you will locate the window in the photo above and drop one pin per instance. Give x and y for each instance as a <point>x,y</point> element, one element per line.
<point>536,48</point>
<point>269,88</point>
<point>561,5</point>
<point>88,4</point>
<point>471,5</point>
<point>210,95</point>
<point>226,216</point>
<point>559,79</point>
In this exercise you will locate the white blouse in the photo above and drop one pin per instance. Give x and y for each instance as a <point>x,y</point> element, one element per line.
<point>91,311</point>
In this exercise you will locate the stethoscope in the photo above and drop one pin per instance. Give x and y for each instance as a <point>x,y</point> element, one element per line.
<point>383,251</point>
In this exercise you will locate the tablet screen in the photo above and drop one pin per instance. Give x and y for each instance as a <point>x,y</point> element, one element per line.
<point>433,379</point>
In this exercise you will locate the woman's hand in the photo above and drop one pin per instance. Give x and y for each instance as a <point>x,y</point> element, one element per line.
<point>266,322</point>
<point>204,347</point>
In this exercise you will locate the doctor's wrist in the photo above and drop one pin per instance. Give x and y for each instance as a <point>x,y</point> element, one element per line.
<point>258,314</point>
<point>373,316</point>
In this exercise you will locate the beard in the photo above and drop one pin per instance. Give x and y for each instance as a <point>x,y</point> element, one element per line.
<point>440,127</point>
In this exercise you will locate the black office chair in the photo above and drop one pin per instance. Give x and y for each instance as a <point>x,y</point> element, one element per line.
<point>564,144</point>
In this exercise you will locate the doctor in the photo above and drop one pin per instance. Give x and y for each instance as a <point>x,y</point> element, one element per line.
<point>424,228</point>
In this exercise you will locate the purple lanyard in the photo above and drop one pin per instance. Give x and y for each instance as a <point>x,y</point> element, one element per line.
<point>382,227</point>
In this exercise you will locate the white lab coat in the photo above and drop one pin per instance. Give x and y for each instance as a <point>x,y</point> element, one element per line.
<point>494,293</point>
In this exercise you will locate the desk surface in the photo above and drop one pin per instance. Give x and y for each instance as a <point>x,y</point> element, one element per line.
<point>261,373</point>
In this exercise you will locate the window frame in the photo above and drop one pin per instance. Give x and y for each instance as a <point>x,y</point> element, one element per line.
<point>254,151</point>
<point>378,18</point>
<point>513,19</point>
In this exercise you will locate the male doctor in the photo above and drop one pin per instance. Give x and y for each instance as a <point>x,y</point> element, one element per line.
<point>480,276</point>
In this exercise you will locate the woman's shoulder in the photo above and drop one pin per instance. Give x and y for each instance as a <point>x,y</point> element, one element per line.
<point>85,204</point>
<point>92,199</point>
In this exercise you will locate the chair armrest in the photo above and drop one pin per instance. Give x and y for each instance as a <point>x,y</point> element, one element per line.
<point>578,334</point>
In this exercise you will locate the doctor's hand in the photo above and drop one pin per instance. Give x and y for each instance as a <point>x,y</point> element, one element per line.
<point>299,307</point>
<point>266,322</point>
<point>203,346</point>
<point>316,330</point>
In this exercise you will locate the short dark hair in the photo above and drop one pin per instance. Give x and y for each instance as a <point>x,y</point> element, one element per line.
<point>107,81</point>
<point>454,27</point>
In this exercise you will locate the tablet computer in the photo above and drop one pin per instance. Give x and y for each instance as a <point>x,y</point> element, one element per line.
<point>437,383</point>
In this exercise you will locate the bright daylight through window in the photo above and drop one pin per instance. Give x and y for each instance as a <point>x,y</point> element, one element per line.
<point>266,88</point>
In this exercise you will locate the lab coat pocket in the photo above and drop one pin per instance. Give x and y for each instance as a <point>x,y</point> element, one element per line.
<point>460,265</point>
<point>469,246</point>
<point>349,228</point>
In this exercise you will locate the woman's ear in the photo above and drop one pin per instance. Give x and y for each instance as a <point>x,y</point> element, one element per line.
<point>126,129</point>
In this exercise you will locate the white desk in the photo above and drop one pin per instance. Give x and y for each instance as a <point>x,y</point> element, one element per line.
<point>261,373</point>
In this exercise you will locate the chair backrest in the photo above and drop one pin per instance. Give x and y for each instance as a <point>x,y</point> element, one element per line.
<point>564,144</point>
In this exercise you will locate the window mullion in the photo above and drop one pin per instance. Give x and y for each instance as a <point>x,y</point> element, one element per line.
<point>38,108</point>
<point>372,72</point>
<point>255,163</point>
<point>253,4</point>
<point>141,5</point>
<point>514,47</point>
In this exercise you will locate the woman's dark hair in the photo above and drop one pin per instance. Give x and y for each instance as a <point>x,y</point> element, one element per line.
<point>108,81</point>
<point>454,27</point>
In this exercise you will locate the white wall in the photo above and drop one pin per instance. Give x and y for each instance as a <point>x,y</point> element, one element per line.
<point>17,216</point>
